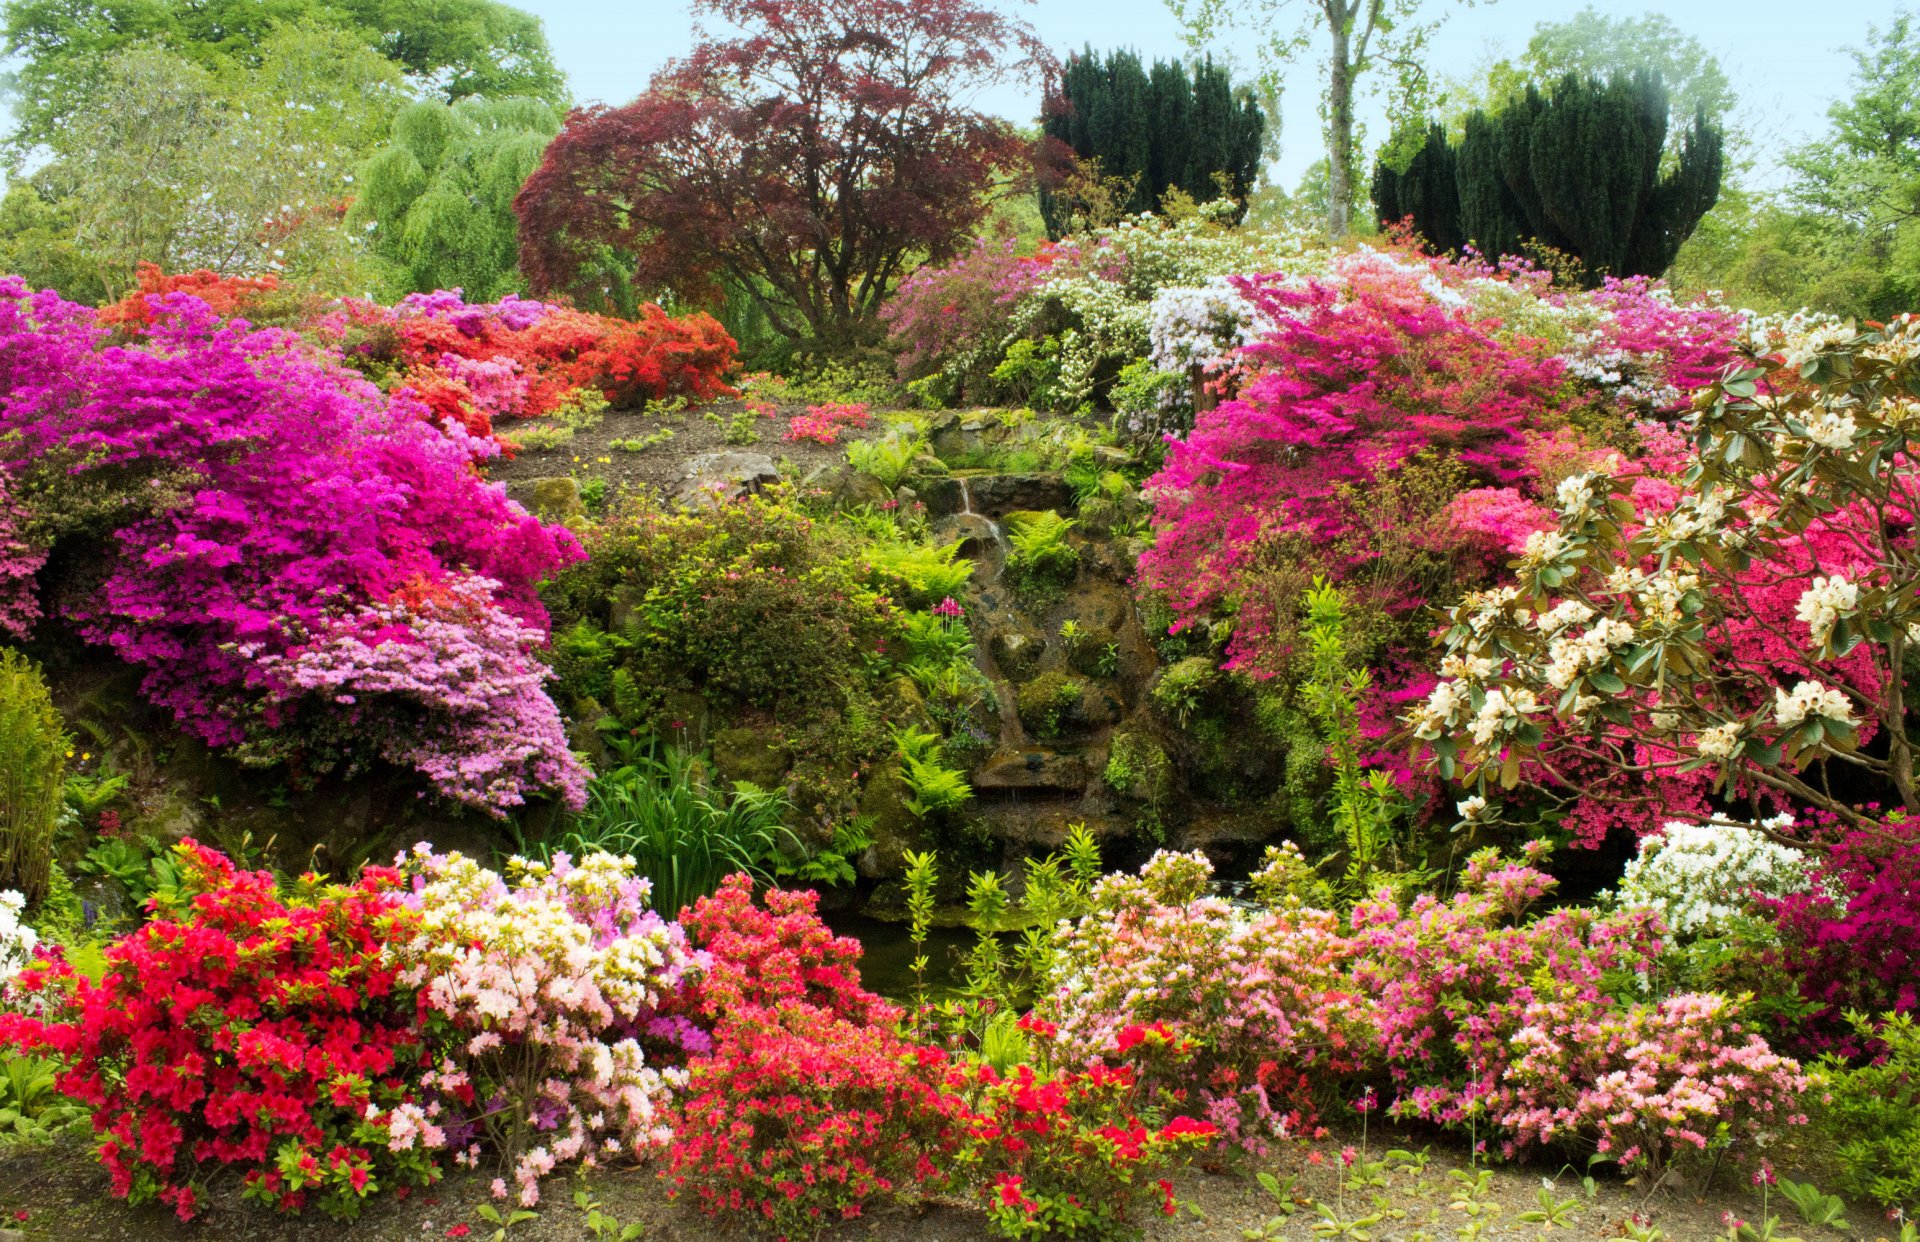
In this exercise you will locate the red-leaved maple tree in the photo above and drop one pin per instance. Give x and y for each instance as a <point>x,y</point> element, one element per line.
<point>806,157</point>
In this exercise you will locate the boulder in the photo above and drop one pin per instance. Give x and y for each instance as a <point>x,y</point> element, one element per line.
<point>1016,654</point>
<point>554,497</point>
<point>1037,771</point>
<point>747,753</point>
<point>728,474</point>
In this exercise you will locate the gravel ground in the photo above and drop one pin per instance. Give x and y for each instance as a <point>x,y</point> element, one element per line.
<point>65,1196</point>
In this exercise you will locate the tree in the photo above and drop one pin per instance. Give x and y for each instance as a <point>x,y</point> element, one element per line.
<point>1361,36</point>
<point>1579,171</point>
<point>448,48</point>
<point>807,158</point>
<point>241,171</point>
<point>437,200</point>
<point>1155,130</point>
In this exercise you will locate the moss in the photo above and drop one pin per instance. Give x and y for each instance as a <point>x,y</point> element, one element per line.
<point>1138,768</point>
<point>1045,701</point>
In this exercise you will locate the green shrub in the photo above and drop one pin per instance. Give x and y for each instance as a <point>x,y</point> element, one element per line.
<point>33,763</point>
<point>1183,685</point>
<point>1138,768</point>
<point>1873,1116</point>
<point>1044,701</point>
<point>920,574</point>
<point>686,836</point>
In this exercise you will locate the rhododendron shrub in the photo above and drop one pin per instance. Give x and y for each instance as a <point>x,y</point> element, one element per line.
<point>1734,628</point>
<point>1851,938</point>
<point>243,1029</point>
<point>542,993</point>
<point>304,568</point>
<point>824,423</point>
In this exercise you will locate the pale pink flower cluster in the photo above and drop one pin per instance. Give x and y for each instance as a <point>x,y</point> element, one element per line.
<point>551,973</point>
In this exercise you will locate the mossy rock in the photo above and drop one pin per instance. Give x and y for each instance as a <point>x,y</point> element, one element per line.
<point>895,829</point>
<point>1138,768</point>
<point>1048,703</point>
<point>749,753</point>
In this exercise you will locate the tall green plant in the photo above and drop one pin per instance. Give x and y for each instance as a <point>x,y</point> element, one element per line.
<point>932,786</point>
<point>33,761</point>
<point>658,806</point>
<point>1365,803</point>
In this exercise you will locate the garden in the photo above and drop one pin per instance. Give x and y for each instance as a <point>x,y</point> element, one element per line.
<point>795,658</point>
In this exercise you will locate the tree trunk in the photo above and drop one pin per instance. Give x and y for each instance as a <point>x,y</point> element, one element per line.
<point>1339,123</point>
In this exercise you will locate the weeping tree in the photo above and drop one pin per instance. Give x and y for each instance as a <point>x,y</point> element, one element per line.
<point>1579,171</point>
<point>1157,129</point>
<point>437,200</point>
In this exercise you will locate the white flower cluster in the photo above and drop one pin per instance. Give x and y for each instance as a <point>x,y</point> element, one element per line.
<point>1824,603</point>
<point>1811,699</point>
<point>1719,742</point>
<point>17,940</point>
<point>1200,326</point>
<point>1822,338</point>
<point>1767,334</point>
<point>1570,656</point>
<point>1699,877</point>
<point>1833,431</point>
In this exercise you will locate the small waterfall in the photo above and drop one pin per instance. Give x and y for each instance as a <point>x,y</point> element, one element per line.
<point>966,497</point>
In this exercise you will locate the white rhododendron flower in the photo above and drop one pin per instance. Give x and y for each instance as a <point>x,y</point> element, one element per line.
<point>1824,603</point>
<point>1810,699</point>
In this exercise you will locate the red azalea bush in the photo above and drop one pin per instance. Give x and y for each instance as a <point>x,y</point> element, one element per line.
<point>824,423</point>
<point>224,295</point>
<point>241,1029</point>
<point>1073,1152</point>
<point>1852,939</point>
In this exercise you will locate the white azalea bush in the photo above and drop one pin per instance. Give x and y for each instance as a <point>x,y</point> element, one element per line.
<point>1717,627</point>
<point>548,981</point>
<point>17,939</point>
<point>1701,878</point>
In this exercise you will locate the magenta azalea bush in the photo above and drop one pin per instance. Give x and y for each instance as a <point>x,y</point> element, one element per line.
<point>308,570</point>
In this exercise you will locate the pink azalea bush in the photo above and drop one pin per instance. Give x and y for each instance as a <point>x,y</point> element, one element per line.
<point>1467,1012</point>
<point>305,568</point>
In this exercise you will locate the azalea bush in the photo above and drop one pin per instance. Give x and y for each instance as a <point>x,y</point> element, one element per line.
<point>305,569</point>
<point>542,994</point>
<point>247,1029</point>
<point>1703,878</point>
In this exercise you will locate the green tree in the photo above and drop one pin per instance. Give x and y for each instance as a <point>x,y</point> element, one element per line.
<point>447,48</point>
<point>437,200</point>
<point>1151,131</point>
<point>1580,170</point>
<point>1361,36</point>
<point>243,170</point>
<point>33,763</point>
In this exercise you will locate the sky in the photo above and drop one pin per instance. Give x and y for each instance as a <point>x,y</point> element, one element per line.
<point>1786,59</point>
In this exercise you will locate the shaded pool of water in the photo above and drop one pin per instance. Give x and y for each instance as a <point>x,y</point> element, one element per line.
<point>886,958</point>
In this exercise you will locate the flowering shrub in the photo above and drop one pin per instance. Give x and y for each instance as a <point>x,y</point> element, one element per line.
<point>303,567</point>
<point>1851,938</point>
<point>242,1029</point>
<point>824,423</point>
<point>1474,1015</point>
<point>225,296</point>
<point>540,990</point>
<point>1646,635</point>
<point>1701,877</point>
<point>17,940</point>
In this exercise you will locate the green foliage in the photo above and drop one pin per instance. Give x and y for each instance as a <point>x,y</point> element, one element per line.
<point>889,458</point>
<point>918,573</point>
<point>583,410</point>
<point>1815,1206</point>
<point>1045,701</point>
<point>451,48</point>
<point>1039,551</point>
<point>659,807</point>
<point>1141,390</point>
<point>1026,373</point>
<point>1010,974</point>
<point>921,878</point>
<point>33,761</point>
<point>180,165</point>
<point>437,200</point>
<point>32,1109</point>
<point>933,787</point>
<point>832,864</point>
<point>1155,131</point>
<point>1873,1115</point>
<point>1578,171</point>
<point>1183,684</point>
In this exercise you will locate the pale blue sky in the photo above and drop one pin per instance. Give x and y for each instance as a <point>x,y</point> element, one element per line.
<point>1785,58</point>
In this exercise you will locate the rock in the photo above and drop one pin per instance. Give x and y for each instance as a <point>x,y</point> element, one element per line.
<point>1031,771</point>
<point>980,540</point>
<point>895,829</point>
<point>964,437</point>
<point>1050,704</point>
<point>721,476</point>
<point>997,495</point>
<point>555,497</point>
<point>907,498</point>
<point>857,488</point>
<point>747,753</point>
<point>1016,654</point>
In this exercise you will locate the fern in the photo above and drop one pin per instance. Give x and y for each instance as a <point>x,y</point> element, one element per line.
<point>924,573</point>
<point>889,459</point>
<point>933,786</point>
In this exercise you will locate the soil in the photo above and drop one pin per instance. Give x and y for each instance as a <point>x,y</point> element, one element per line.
<point>64,1195</point>
<point>591,455</point>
